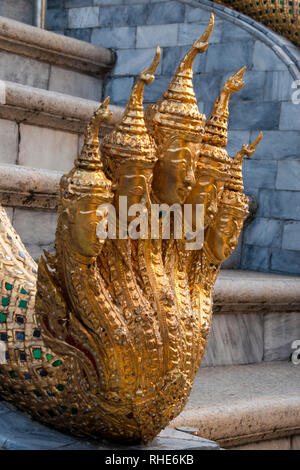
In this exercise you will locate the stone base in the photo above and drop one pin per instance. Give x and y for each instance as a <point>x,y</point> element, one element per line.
<point>244,404</point>
<point>19,432</point>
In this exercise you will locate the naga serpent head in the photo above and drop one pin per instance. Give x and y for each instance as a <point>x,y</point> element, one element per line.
<point>235,82</point>
<point>83,189</point>
<point>222,236</point>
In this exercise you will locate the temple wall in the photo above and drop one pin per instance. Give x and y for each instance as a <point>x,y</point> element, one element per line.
<point>133,28</point>
<point>20,10</point>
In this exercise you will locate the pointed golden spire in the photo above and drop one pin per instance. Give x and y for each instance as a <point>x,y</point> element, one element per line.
<point>130,140</point>
<point>233,195</point>
<point>86,179</point>
<point>217,123</point>
<point>181,87</point>
<point>235,182</point>
<point>178,110</point>
<point>89,157</point>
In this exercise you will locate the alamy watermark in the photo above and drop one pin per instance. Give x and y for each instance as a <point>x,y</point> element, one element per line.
<point>141,222</point>
<point>296,93</point>
<point>295,357</point>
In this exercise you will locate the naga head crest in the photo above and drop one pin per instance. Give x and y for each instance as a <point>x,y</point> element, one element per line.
<point>130,140</point>
<point>213,161</point>
<point>234,188</point>
<point>177,111</point>
<point>216,126</point>
<point>87,179</point>
<point>89,157</point>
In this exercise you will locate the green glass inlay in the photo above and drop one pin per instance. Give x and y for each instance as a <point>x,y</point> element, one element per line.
<point>49,357</point>
<point>37,354</point>
<point>24,291</point>
<point>38,393</point>
<point>23,303</point>
<point>8,286</point>
<point>3,317</point>
<point>290,12</point>
<point>13,375</point>
<point>57,363</point>
<point>5,301</point>
<point>60,387</point>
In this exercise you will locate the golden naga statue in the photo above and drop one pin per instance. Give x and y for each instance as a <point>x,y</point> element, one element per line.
<point>283,16</point>
<point>105,337</point>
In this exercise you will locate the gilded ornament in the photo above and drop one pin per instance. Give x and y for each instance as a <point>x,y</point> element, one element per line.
<point>105,338</point>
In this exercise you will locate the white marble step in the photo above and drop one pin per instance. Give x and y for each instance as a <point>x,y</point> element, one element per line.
<point>256,318</point>
<point>30,105</point>
<point>255,292</point>
<point>42,59</point>
<point>245,404</point>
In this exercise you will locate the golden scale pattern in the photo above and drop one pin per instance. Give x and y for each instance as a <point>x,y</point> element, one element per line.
<point>283,16</point>
<point>105,337</point>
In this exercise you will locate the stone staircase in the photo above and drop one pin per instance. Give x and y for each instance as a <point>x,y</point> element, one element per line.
<point>249,407</point>
<point>246,392</point>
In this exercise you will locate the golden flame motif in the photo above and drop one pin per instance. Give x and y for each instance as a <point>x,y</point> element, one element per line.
<point>105,340</point>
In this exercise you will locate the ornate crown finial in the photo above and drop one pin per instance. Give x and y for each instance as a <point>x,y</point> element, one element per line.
<point>217,123</point>
<point>233,189</point>
<point>178,110</point>
<point>130,140</point>
<point>213,161</point>
<point>235,182</point>
<point>89,157</point>
<point>87,178</point>
<point>181,87</point>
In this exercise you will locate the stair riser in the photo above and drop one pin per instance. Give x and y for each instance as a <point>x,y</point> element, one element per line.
<point>27,71</point>
<point>251,338</point>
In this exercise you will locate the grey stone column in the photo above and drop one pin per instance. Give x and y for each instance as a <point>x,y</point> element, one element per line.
<point>21,10</point>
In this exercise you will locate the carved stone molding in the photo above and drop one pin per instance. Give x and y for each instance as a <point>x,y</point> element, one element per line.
<point>29,187</point>
<point>252,292</point>
<point>54,48</point>
<point>30,105</point>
